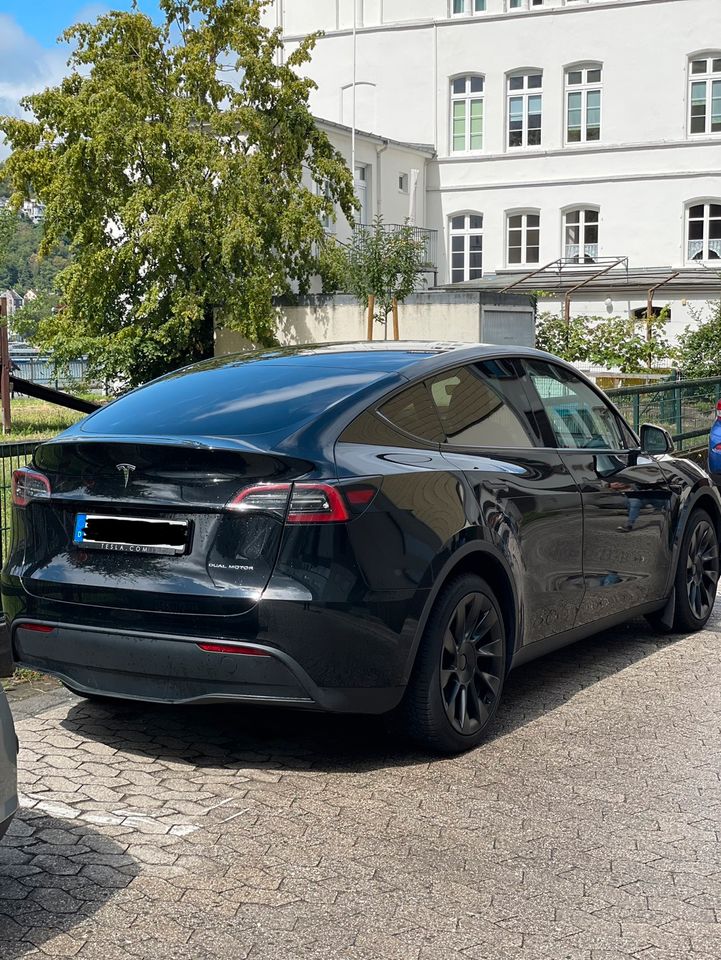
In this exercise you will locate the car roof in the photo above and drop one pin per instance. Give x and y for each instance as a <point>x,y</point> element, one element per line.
<point>410,358</point>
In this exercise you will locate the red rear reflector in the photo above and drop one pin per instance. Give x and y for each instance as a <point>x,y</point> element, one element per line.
<point>360,496</point>
<point>237,648</point>
<point>718,446</point>
<point>37,627</point>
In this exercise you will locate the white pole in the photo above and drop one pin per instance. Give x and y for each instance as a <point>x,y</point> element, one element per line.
<point>355,65</point>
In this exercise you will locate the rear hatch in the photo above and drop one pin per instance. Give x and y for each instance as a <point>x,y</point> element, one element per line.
<point>152,525</point>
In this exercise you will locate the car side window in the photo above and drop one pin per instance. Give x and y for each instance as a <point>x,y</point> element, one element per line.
<point>413,412</point>
<point>579,417</point>
<point>473,413</point>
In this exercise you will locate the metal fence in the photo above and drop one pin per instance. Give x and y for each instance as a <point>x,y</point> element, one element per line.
<point>40,369</point>
<point>12,456</point>
<point>686,408</point>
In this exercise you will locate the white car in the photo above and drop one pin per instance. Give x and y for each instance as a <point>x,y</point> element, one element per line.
<point>8,765</point>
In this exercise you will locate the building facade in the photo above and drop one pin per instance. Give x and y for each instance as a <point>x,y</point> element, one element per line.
<point>582,131</point>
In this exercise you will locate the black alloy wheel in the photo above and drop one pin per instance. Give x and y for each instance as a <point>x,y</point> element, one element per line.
<point>697,574</point>
<point>458,676</point>
<point>471,663</point>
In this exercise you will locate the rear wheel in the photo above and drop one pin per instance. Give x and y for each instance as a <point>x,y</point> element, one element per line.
<point>697,574</point>
<point>458,676</point>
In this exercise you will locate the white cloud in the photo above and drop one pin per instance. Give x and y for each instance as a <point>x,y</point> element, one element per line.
<point>25,67</point>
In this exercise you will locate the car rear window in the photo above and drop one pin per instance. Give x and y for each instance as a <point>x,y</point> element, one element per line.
<point>237,400</point>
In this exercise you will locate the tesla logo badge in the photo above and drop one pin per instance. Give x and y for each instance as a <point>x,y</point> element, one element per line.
<point>126,469</point>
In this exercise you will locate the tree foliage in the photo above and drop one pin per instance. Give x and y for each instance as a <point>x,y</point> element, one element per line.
<point>700,346</point>
<point>21,266</point>
<point>630,345</point>
<point>378,262</point>
<point>176,159</point>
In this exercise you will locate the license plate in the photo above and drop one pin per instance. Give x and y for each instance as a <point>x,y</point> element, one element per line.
<point>131,534</point>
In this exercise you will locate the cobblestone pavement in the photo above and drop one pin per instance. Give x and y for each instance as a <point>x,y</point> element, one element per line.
<point>587,827</point>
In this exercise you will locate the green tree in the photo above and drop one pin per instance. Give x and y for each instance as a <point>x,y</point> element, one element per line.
<point>7,229</point>
<point>175,159</point>
<point>379,266</point>
<point>630,345</point>
<point>699,351</point>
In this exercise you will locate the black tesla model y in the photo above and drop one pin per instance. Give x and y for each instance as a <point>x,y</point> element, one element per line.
<point>357,528</point>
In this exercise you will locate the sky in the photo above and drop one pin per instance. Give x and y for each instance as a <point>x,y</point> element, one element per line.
<point>30,57</point>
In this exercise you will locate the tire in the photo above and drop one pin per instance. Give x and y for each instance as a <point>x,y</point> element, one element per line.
<point>457,679</point>
<point>697,574</point>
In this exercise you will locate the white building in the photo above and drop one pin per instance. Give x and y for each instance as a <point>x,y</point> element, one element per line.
<point>582,131</point>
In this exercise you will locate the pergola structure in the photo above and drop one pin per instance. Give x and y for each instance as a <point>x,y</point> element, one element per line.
<point>609,276</point>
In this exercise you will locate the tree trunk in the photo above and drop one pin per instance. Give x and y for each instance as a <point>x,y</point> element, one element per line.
<point>371,310</point>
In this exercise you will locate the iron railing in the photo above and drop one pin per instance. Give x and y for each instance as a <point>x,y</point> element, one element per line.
<point>429,238</point>
<point>686,408</point>
<point>12,456</point>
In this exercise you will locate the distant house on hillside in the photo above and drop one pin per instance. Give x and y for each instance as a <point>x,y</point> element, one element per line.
<point>13,301</point>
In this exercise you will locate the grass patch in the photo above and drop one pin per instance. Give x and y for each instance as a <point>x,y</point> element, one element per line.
<point>22,675</point>
<point>37,420</point>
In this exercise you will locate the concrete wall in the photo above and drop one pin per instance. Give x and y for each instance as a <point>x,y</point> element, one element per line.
<point>457,317</point>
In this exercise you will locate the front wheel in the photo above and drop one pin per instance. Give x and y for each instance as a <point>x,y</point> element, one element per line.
<point>458,676</point>
<point>697,574</point>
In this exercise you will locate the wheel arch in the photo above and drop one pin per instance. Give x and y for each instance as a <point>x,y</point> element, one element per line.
<point>486,562</point>
<point>703,497</point>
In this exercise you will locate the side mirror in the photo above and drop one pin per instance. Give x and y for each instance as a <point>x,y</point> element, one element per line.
<point>655,440</point>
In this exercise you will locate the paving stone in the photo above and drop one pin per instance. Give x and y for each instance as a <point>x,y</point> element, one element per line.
<point>585,828</point>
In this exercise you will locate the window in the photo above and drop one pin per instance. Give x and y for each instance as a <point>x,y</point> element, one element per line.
<point>704,231</point>
<point>705,95</point>
<point>524,238</point>
<point>462,8</point>
<point>580,236</point>
<point>403,182</point>
<point>326,218</point>
<point>583,104</point>
<point>413,412</point>
<point>525,103</point>
<point>223,398</point>
<point>472,414</point>
<point>466,114</point>
<point>524,4</point>
<point>466,242</point>
<point>579,417</point>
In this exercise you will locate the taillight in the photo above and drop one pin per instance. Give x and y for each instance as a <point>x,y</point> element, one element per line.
<point>316,503</point>
<point>238,649</point>
<point>309,502</point>
<point>718,410</point>
<point>29,485</point>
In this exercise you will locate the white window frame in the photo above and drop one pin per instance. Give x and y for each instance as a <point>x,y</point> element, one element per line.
<point>523,4</point>
<point>524,94</point>
<point>708,245</point>
<point>466,233</point>
<point>524,261</point>
<point>469,8</point>
<point>584,88</point>
<point>585,249</point>
<point>467,98</point>
<point>711,80</point>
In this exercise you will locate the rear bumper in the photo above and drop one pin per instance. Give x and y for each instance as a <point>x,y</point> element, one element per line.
<point>167,668</point>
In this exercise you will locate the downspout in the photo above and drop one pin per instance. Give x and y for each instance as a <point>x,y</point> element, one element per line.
<point>379,168</point>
